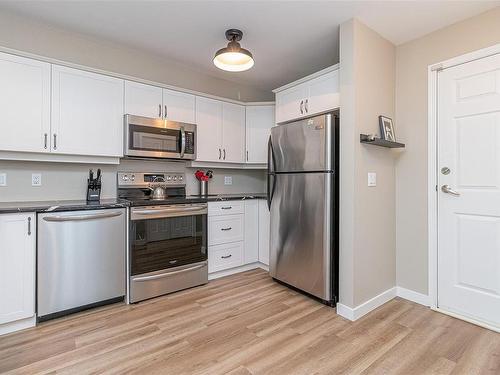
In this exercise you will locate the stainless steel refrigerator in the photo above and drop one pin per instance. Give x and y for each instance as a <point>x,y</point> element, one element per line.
<point>302,193</point>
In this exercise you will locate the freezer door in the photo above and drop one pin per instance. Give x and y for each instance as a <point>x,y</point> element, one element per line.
<point>301,232</point>
<point>305,145</point>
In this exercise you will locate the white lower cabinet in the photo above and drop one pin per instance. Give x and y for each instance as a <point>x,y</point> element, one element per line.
<point>17,270</point>
<point>225,256</point>
<point>238,234</point>
<point>264,228</point>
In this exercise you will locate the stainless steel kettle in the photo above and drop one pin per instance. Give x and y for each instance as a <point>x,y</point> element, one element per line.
<point>159,192</point>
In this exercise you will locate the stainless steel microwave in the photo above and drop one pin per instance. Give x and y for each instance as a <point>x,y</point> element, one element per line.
<point>158,138</point>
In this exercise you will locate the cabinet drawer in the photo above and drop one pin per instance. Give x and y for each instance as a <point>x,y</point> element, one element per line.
<point>222,257</point>
<point>226,208</point>
<point>224,229</point>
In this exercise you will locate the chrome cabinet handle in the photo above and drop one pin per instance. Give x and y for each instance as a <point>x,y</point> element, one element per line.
<point>45,141</point>
<point>82,217</point>
<point>307,106</point>
<point>225,229</point>
<point>29,226</point>
<point>226,256</point>
<point>301,107</point>
<point>224,154</point>
<point>247,155</point>
<point>220,153</point>
<point>55,141</point>
<point>165,113</point>
<point>446,189</point>
<point>226,208</point>
<point>159,110</point>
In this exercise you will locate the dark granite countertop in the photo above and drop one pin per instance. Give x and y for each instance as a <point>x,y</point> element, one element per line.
<point>78,205</point>
<point>63,205</point>
<point>229,197</point>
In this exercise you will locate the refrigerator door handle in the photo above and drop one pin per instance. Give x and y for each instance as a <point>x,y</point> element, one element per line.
<point>270,171</point>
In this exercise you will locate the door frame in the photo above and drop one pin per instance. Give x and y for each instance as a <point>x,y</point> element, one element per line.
<point>432,171</point>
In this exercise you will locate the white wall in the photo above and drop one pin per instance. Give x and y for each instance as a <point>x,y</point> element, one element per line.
<point>28,35</point>
<point>367,214</point>
<point>412,61</point>
<point>62,181</point>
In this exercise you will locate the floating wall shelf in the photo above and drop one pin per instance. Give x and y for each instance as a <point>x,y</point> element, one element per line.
<point>365,138</point>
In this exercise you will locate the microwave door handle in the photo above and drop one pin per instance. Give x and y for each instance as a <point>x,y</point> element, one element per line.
<point>183,142</point>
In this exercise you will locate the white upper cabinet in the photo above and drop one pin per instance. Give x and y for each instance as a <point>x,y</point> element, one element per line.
<point>233,133</point>
<point>259,121</point>
<point>17,267</point>
<point>152,101</point>
<point>323,93</point>
<point>143,100</point>
<point>208,129</point>
<point>319,94</point>
<point>87,113</point>
<point>179,106</point>
<point>290,103</point>
<point>25,98</point>
<point>220,131</point>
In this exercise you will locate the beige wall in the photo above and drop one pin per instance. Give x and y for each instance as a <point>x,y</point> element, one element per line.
<point>367,217</point>
<point>62,181</point>
<point>412,61</point>
<point>30,36</point>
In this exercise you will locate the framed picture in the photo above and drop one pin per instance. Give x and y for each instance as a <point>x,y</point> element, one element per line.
<point>386,128</point>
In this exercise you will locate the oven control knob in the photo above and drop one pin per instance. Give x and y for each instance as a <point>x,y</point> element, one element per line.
<point>132,178</point>
<point>169,178</point>
<point>125,177</point>
<point>175,178</point>
<point>180,178</point>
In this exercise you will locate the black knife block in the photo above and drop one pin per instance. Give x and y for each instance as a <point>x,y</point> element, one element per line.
<point>94,187</point>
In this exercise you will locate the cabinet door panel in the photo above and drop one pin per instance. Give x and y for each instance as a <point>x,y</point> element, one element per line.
<point>208,129</point>
<point>225,256</point>
<point>179,106</point>
<point>323,93</point>
<point>233,133</point>
<point>25,98</point>
<point>263,232</point>
<point>87,113</point>
<point>17,267</point>
<point>143,100</point>
<point>251,231</point>
<point>288,103</point>
<point>259,121</point>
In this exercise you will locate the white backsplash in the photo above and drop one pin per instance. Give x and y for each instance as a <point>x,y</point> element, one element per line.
<point>61,181</point>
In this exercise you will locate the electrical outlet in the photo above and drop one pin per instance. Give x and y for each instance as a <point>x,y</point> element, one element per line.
<point>36,179</point>
<point>3,179</point>
<point>228,180</point>
<point>372,179</point>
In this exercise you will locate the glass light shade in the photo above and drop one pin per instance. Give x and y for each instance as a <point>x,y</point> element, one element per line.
<point>233,58</point>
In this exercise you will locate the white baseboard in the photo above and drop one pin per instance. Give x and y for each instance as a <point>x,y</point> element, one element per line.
<point>232,271</point>
<point>363,309</point>
<point>17,325</point>
<point>413,296</point>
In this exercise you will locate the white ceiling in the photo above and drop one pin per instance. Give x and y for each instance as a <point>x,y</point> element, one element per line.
<point>288,39</point>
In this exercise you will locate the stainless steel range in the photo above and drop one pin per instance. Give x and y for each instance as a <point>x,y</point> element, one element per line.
<point>167,234</point>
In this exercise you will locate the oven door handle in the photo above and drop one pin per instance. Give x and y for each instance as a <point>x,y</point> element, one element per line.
<point>170,210</point>
<point>167,274</point>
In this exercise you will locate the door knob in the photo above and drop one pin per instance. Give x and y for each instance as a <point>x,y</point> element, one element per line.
<point>446,189</point>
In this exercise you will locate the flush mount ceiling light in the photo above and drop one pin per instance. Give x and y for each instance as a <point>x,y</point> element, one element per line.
<point>233,58</point>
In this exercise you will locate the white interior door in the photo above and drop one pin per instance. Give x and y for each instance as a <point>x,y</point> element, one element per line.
<point>469,214</point>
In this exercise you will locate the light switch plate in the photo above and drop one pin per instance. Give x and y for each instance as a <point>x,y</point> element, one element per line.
<point>36,179</point>
<point>372,179</point>
<point>3,179</point>
<point>228,180</point>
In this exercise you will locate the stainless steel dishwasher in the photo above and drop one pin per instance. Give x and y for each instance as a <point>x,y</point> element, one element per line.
<point>80,261</point>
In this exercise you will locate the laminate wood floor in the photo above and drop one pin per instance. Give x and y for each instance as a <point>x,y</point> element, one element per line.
<point>248,324</point>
